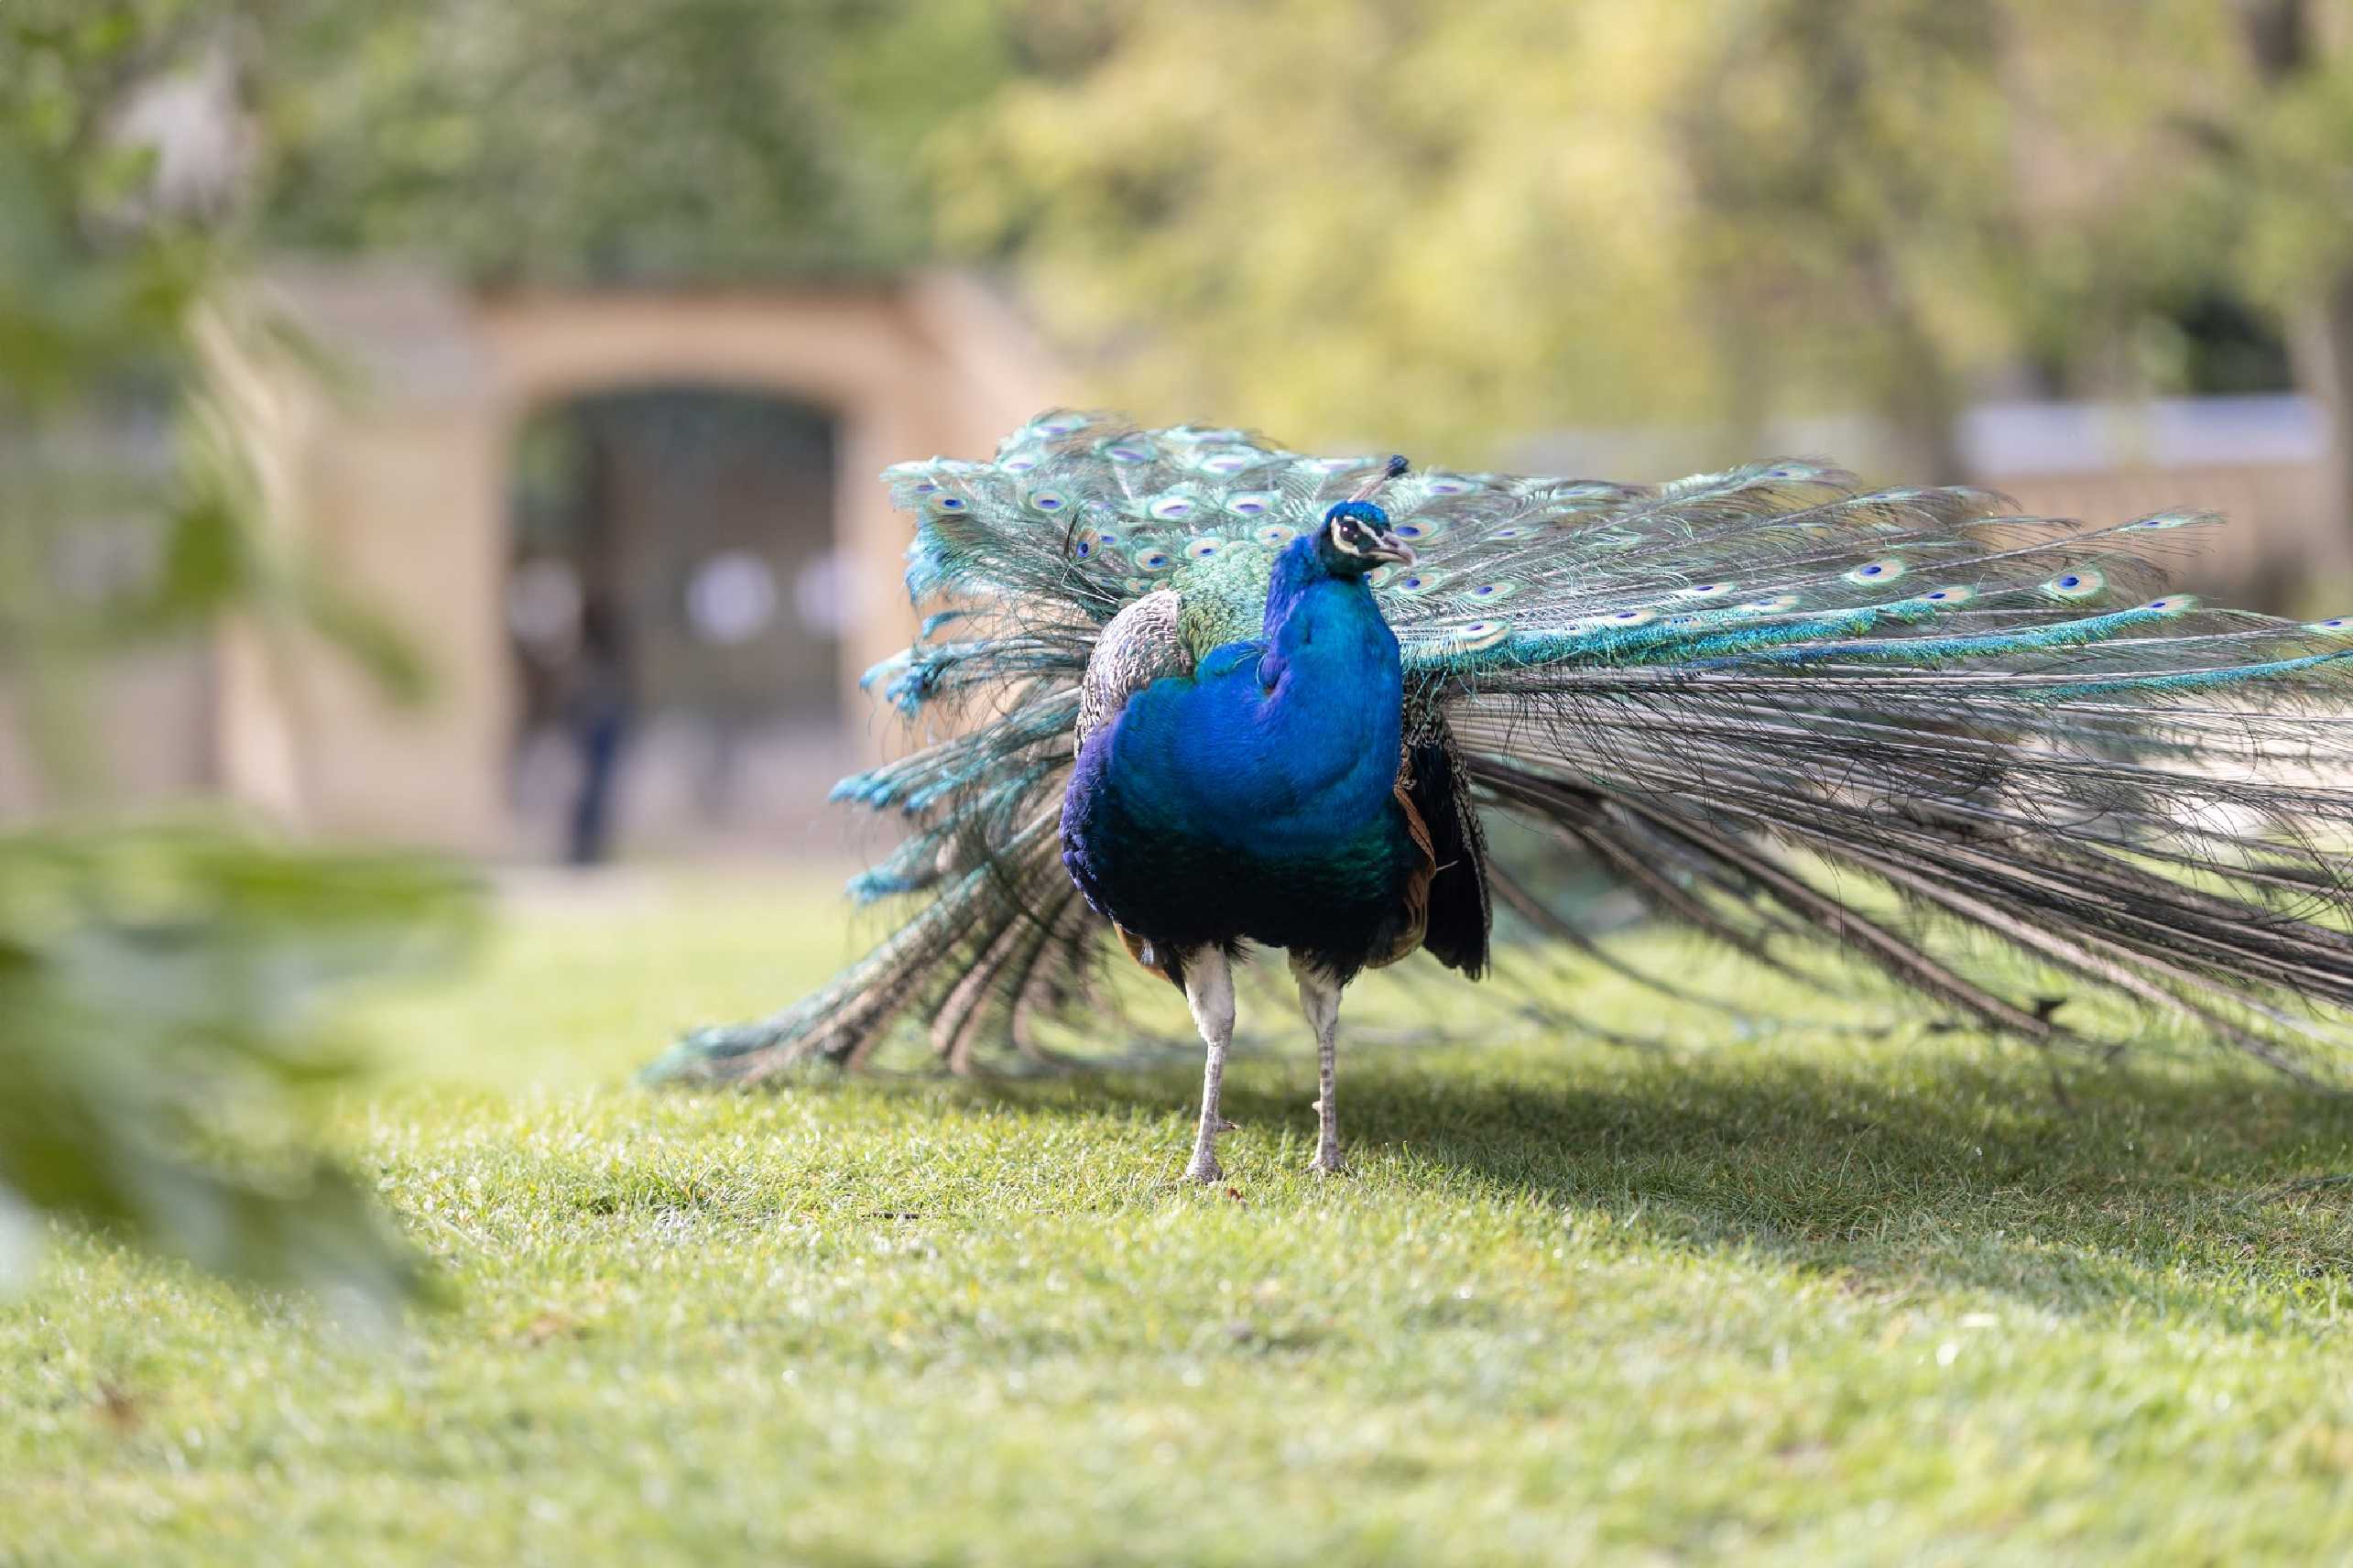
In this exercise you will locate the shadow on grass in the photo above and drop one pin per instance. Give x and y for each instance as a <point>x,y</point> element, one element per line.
<point>2214,1194</point>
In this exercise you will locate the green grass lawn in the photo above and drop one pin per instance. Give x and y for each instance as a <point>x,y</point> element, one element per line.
<point>1807,1297</point>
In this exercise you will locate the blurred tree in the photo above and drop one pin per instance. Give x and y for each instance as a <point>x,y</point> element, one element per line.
<point>156,1032</point>
<point>2288,152</point>
<point>1336,219</point>
<point>1709,212</point>
<point>577,140</point>
<point>1855,231</point>
<point>2210,152</point>
<point>1464,220</point>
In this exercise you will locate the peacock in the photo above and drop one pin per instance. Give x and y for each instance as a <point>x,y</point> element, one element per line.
<point>1207,693</point>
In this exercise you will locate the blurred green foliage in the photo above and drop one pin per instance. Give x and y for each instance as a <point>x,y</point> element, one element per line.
<point>669,140</point>
<point>1460,221</point>
<point>160,1035</point>
<point>1467,220</point>
<point>158,1031</point>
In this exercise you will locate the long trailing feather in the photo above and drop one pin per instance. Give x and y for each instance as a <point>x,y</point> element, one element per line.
<point>1786,712</point>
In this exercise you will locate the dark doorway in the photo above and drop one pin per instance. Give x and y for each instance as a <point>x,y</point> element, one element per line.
<point>675,604</point>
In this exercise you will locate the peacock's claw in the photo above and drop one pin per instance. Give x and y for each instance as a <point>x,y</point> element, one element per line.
<point>1204,1171</point>
<point>1327,1163</point>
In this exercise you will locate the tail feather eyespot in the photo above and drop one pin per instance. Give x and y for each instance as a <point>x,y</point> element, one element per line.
<point>1475,636</point>
<point>2076,583</point>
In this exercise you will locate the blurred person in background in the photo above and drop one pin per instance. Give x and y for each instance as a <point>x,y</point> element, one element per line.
<point>598,708</point>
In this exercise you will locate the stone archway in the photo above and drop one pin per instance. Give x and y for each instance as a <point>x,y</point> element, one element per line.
<point>398,484</point>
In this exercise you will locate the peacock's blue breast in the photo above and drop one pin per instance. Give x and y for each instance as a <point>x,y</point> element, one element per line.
<point>1215,810</point>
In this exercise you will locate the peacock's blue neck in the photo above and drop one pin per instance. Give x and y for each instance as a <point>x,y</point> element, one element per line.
<point>1299,569</point>
<point>1333,682</point>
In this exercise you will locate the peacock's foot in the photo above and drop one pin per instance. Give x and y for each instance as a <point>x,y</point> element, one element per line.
<point>1205,1167</point>
<point>1327,1137</point>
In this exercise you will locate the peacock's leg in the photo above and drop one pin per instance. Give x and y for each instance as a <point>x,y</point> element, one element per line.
<point>1319,998</point>
<point>1209,992</point>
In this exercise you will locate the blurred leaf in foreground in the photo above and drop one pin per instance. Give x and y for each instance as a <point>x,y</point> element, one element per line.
<point>161,1026</point>
<point>160,1032</point>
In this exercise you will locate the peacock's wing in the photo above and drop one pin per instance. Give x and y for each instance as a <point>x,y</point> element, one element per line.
<point>2006,721</point>
<point>1143,643</point>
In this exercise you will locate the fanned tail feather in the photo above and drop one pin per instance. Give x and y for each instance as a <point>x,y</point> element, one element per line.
<point>2144,797</point>
<point>1790,714</point>
<point>966,963</point>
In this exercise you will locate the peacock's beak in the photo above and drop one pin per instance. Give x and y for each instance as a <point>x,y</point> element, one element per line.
<point>1392,549</point>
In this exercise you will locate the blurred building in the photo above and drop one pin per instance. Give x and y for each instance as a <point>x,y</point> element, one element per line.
<point>704,463</point>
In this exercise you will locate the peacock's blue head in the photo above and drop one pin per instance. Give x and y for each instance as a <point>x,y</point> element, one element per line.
<point>1355,539</point>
